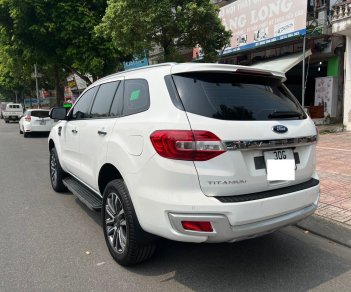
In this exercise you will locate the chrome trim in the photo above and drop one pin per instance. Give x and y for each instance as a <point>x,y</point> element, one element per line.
<point>269,144</point>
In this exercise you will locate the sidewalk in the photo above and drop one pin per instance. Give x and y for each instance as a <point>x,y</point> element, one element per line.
<point>333,215</point>
<point>334,169</point>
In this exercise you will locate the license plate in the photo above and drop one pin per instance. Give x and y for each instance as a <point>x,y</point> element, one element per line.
<point>42,122</point>
<point>280,164</point>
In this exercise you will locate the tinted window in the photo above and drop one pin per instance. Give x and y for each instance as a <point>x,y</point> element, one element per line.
<point>235,96</point>
<point>40,114</point>
<point>102,103</point>
<point>116,108</point>
<point>136,96</point>
<point>81,108</point>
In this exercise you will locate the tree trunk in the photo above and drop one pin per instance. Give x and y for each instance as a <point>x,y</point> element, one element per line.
<point>168,54</point>
<point>59,88</point>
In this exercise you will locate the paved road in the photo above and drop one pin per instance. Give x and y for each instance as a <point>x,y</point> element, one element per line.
<point>44,237</point>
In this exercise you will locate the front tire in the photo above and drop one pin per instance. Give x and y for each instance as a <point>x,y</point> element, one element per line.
<point>56,172</point>
<point>127,242</point>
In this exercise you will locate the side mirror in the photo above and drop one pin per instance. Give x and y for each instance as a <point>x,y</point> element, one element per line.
<point>58,113</point>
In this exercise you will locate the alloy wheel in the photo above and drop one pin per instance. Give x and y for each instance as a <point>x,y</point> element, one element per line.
<point>53,169</point>
<point>115,223</point>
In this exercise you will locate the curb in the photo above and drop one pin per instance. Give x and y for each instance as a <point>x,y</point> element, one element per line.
<point>335,231</point>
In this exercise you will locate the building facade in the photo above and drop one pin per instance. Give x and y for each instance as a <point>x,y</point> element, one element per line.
<point>272,33</point>
<point>341,25</point>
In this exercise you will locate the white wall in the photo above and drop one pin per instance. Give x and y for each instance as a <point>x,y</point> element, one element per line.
<point>347,86</point>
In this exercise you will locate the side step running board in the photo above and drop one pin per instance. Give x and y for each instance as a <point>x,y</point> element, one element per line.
<point>87,196</point>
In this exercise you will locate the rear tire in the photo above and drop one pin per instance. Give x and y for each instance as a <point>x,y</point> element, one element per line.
<point>127,242</point>
<point>56,172</point>
<point>21,132</point>
<point>25,135</point>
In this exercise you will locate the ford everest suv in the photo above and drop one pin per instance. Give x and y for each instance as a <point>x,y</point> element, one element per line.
<point>188,152</point>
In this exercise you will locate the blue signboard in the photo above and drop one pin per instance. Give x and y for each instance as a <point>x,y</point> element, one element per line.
<point>137,63</point>
<point>301,32</point>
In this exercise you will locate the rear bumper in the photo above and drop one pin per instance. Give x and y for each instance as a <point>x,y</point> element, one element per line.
<point>30,128</point>
<point>224,232</point>
<point>160,212</point>
<point>13,118</point>
<point>173,192</point>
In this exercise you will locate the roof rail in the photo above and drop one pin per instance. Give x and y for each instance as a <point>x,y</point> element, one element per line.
<point>136,69</point>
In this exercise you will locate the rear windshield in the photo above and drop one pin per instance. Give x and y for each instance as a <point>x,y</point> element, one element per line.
<point>14,106</point>
<point>40,114</point>
<point>238,97</point>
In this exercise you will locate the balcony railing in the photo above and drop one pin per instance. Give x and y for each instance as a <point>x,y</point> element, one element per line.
<point>341,10</point>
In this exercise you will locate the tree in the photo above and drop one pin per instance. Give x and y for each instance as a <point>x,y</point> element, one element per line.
<point>14,73</point>
<point>136,25</point>
<point>58,36</point>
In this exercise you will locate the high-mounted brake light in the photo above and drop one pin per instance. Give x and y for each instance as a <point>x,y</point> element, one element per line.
<point>187,145</point>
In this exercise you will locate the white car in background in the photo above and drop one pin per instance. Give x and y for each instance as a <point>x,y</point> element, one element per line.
<point>35,120</point>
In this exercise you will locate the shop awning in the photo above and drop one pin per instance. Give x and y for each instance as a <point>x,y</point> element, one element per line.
<point>284,63</point>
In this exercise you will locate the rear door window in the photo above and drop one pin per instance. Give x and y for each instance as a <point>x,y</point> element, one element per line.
<point>239,97</point>
<point>117,104</point>
<point>40,114</point>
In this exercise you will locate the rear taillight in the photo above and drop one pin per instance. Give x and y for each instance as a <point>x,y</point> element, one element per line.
<point>187,144</point>
<point>28,118</point>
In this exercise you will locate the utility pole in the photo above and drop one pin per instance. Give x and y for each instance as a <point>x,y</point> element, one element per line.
<point>303,72</point>
<point>36,83</point>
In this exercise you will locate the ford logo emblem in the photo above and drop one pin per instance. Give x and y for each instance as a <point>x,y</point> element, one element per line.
<point>280,129</point>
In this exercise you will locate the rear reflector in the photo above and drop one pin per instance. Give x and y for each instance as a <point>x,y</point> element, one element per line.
<point>201,226</point>
<point>187,144</point>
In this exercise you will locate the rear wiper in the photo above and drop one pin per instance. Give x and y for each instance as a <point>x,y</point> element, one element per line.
<point>285,114</point>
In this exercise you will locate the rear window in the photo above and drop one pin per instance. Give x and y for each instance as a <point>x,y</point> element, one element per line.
<point>14,106</point>
<point>136,96</point>
<point>40,114</point>
<point>239,97</point>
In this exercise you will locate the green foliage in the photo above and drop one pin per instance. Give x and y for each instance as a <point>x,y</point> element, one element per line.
<point>56,35</point>
<point>136,25</point>
<point>95,36</point>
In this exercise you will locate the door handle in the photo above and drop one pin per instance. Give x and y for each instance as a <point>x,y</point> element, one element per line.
<point>74,131</point>
<point>102,132</point>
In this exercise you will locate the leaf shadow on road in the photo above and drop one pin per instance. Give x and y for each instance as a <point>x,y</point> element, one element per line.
<point>274,262</point>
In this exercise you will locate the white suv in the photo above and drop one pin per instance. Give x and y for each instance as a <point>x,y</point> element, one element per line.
<point>187,152</point>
